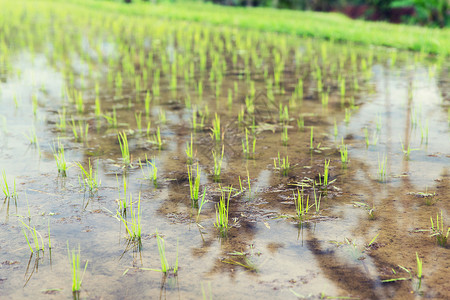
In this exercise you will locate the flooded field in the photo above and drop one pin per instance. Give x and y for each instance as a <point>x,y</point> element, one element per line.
<point>169,160</point>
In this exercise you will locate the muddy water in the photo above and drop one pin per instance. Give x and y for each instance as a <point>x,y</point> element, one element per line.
<point>326,253</point>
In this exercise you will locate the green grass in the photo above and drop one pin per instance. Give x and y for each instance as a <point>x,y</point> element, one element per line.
<point>333,26</point>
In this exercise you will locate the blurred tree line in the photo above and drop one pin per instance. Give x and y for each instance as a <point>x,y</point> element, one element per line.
<point>423,12</point>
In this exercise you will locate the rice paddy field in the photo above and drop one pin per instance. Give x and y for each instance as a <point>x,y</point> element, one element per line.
<point>148,157</point>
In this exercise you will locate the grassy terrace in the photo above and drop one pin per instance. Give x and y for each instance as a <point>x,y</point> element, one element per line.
<point>322,25</point>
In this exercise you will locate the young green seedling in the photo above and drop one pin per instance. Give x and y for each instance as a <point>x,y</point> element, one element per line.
<point>217,165</point>
<point>222,213</point>
<point>438,230</point>
<point>9,193</point>
<point>77,276</point>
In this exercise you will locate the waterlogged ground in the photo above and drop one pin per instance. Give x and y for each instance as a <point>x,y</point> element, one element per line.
<point>364,228</point>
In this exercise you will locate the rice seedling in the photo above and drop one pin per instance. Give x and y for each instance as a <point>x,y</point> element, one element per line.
<point>98,109</point>
<point>152,171</point>
<point>9,193</point>
<point>62,120</point>
<point>366,136</point>
<point>77,276</point>
<point>112,120</point>
<point>61,163</point>
<point>245,261</point>
<point>190,151</point>
<point>32,137</point>
<point>316,199</point>
<point>79,102</point>
<point>216,135</point>
<point>157,139</point>
<point>249,153</point>
<point>222,213</point>
<point>16,102</point>
<point>344,155</point>
<point>147,102</point>
<point>379,123</point>
<point>324,99</point>
<point>335,129</point>
<point>80,132</point>
<point>348,114</point>
<point>300,123</point>
<point>372,241</point>
<point>118,83</point>
<point>122,201</point>
<point>342,88</point>
<point>283,165</point>
<point>35,235</point>
<point>382,168</point>
<point>325,177</point>
<point>283,114</point>
<point>217,165</point>
<point>133,226</point>
<point>438,230</point>
<point>407,151</point>
<point>124,149</point>
<point>249,183</point>
<point>165,267</point>
<point>201,203</point>
<point>311,140</point>
<point>162,116</point>
<point>194,186</point>
<point>419,271</point>
<point>204,293</point>
<point>138,117</point>
<point>284,136</point>
<point>370,210</point>
<point>424,133</point>
<point>301,205</point>
<point>49,239</point>
<point>89,179</point>
<point>194,121</point>
<point>34,102</point>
